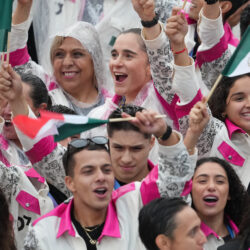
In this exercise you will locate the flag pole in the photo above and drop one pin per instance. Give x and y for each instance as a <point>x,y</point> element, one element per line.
<point>214,87</point>
<point>131,118</point>
<point>8,49</point>
<point>184,4</point>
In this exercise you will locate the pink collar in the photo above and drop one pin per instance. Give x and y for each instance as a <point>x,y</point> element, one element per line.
<point>150,165</point>
<point>208,231</point>
<point>111,226</point>
<point>33,174</point>
<point>232,128</point>
<point>230,38</point>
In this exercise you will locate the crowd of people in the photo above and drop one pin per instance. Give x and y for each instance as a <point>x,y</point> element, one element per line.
<point>175,176</point>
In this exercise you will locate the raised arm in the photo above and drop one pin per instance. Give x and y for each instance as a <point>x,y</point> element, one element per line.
<point>45,155</point>
<point>214,52</point>
<point>22,12</point>
<point>175,166</point>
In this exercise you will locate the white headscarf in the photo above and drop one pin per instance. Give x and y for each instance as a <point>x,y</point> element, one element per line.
<point>87,35</point>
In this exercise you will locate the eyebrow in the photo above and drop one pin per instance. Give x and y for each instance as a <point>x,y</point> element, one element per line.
<point>126,51</point>
<point>238,93</point>
<point>206,175</point>
<point>131,146</point>
<point>91,166</point>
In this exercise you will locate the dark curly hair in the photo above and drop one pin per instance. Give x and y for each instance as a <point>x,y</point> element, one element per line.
<point>235,207</point>
<point>6,229</point>
<point>217,102</point>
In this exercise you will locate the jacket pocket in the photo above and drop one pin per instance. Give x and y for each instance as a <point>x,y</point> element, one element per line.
<point>28,202</point>
<point>230,154</point>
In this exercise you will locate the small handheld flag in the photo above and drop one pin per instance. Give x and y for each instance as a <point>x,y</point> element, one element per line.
<point>239,63</point>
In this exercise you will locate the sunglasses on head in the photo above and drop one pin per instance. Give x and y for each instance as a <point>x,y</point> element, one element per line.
<point>82,143</point>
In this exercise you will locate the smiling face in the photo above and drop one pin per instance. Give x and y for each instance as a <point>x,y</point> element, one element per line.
<point>210,190</point>
<point>73,66</point>
<point>129,66</point>
<point>93,180</point>
<point>129,152</point>
<point>187,234</point>
<point>238,103</point>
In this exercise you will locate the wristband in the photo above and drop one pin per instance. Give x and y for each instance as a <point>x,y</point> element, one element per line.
<point>149,24</point>
<point>166,135</point>
<point>178,52</point>
<point>209,2</point>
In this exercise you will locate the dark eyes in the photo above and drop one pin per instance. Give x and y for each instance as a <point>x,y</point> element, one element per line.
<point>62,54</point>
<point>59,54</point>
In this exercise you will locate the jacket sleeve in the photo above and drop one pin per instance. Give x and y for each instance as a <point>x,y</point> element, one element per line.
<point>161,65</point>
<point>19,55</point>
<point>188,84</point>
<point>46,158</point>
<point>164,8</point>
<point>9,180</point>
<point>213,53</point>
<point>31,241</point>
<point>170,176</point>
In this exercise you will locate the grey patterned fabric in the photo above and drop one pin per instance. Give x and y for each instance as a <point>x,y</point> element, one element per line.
<point>92,11</point>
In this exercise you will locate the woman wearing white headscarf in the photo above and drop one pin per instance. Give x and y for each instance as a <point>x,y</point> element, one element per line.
<point>75,72</point>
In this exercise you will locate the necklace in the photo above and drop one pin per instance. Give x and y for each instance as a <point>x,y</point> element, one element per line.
<point>86,230</point>
<point>92,242</point>
<point>92,229</point>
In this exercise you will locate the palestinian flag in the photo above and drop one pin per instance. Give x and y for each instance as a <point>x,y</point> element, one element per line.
<point>239,63</point>
<point>59,125</point>
<point>5,22</point>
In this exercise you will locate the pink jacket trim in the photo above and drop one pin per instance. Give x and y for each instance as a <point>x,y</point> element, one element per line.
<point>33,174</point>
<point>122,191</point>
<point>28,202</point>
<point>213,53</point>
<point>63,212</point>
<point>182,110</point>
<point>41,149</point>
<point>19,57</point>
<point>232,128</point>
<point>231,39</point>
<point>116,99</point>
<point>230,154</point>
<point>190,20</point>
<point>218,50</point>
<point>149,189</point>
<point>208,231</point>
<point>4,160</point>
<point>169,108</point>
<point>188,188</point>
<point>3,142</point>
<point>52,86</point>
<point>111,226</point>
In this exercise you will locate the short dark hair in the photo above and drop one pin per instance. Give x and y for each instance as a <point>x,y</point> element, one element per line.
<point>62,109</point>
<point>236,4</point>
<point>68,157</point>
<point>127,126</point>
<point>39,93</point>
<point>237,192</point>
<point>217,102</point>
<point>159,217</point>
<point>244,20</point>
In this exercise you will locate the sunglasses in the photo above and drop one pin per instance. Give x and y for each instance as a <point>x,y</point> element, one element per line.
<point>77,144</point>
<point>82,143</point>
